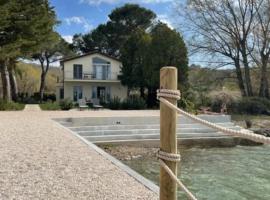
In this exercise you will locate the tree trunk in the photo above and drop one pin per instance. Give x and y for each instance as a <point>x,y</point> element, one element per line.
<point>264,87</point>
<point>247,71</point>
<point>13,81</point>
<point>240,78</point>
<point>5,81</point>
<point>42,85</point>
<point>142,92</point>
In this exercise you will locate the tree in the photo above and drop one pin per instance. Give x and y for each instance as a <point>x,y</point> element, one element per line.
<point>134,57</point>
<point>222,28</point>
<point>143,55</point>
<point>261,49</point>
<point>23,24</point>
<point>50,51</point>
<point>110,37</point>
<point>166,49</point>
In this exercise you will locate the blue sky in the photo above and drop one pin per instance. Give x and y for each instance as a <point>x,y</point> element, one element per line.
<point>81,16</point>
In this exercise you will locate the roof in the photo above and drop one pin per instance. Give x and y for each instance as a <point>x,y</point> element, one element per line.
<point>88,54</point>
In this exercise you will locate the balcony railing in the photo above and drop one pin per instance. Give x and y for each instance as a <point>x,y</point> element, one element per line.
<point>92,76</point>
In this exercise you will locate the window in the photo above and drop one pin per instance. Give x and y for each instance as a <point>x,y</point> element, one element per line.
<point>77,71</point>
<point>77,93</point>
<point>101,69</point>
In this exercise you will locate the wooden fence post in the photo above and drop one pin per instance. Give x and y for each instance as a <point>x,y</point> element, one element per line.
<point>168,139</point>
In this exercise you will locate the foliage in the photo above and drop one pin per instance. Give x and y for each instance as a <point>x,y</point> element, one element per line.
<point>251,105</point>
<point>145,54</point>
<point>187,105</point>
<point>50,106</point>
<point>109,38</point>
<point>28,78</point>
<point>133,102</point>
<point>114,103</point>
<point>8,106</point>
<point>134,57</point>
<point>66,104</point>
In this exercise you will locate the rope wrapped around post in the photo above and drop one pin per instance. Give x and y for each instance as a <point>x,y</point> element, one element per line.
<point>242,133</point>
<point>162,155</point>
<point>165,156</point>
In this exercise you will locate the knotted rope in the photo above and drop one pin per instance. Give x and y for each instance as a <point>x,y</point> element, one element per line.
<point>172,157</point>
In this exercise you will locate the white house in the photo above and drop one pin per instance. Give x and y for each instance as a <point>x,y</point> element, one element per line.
<point>91,76</point>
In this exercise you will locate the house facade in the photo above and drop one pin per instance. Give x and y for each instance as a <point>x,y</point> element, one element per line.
<point>91,76</point>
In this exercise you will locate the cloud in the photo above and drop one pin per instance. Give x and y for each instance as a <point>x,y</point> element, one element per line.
<point>165,19</point>
<point>79,21</point>
<point>68,38</point>
<point>98,2</point>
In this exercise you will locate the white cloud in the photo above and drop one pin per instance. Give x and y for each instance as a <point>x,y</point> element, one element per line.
<point>165,19</point>
<point>98,2</point>
<point>79,21</point>
<point>68,38</point>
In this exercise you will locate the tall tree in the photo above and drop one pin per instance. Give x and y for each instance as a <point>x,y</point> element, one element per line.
<point>134,57</point>
<point>109,38</point>
<point>23,24</point>
<point>51,50</point>
<point>166,49</point>
<point>260,51</point>
<point>223,28</point>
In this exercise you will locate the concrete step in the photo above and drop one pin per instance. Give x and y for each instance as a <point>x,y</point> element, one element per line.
<point>96,121</point>
<point>143,126</point>
<point>147,131</point>
<point>150,136</point>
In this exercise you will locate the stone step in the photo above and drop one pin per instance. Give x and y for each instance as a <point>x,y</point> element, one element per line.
<point>95,121</point>
<point>150,136</point>
<point>147,131</point>
<point>144,126</point>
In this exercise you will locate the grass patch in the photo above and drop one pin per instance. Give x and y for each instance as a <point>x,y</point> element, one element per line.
<point>50,106</point>
<point>10,106</point>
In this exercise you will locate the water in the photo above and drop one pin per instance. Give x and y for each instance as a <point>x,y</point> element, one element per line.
<point>239,173</point>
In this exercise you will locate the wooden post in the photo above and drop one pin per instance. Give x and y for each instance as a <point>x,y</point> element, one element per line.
<point>168,140</point>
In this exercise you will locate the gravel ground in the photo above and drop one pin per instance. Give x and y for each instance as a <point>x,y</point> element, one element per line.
<point>41,160</point>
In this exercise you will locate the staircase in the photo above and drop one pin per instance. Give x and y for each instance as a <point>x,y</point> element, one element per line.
<point>128,129</point>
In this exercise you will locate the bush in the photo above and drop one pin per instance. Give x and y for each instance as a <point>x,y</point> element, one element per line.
<point>8,106</point>
<point>131,103</point>
<point>115,103</point>
<point>50,106</point>
<point>66,104</point>
<point>187,105</point>
<point>221,98</point>
<point>251,105</point>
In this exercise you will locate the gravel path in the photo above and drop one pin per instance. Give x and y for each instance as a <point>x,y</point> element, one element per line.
<point>41,160</point>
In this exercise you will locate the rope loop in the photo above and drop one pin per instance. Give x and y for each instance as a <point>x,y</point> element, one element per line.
<point>168,156</point>
<point>173,94</point>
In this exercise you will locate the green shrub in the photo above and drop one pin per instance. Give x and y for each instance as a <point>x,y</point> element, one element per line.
<point>66,104</point>
<point>9,106</point>
<point>187,105</point>
<point>251,105</point>
<point>134,103</point>
<point>131,103</point>
<point>50,106</point>
<point>115,103</point>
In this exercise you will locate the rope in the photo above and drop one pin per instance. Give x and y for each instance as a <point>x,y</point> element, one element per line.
<point>242,133</point>
<point>172,157</point>
<point>172,94</point>
<point>179,183</point>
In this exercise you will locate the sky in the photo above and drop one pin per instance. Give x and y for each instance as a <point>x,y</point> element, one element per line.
<point>81,16</point>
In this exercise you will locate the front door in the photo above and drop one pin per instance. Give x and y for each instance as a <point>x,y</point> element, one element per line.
<point>101,93</point>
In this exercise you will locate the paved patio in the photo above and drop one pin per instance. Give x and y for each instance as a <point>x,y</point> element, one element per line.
<point>41,160</point>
